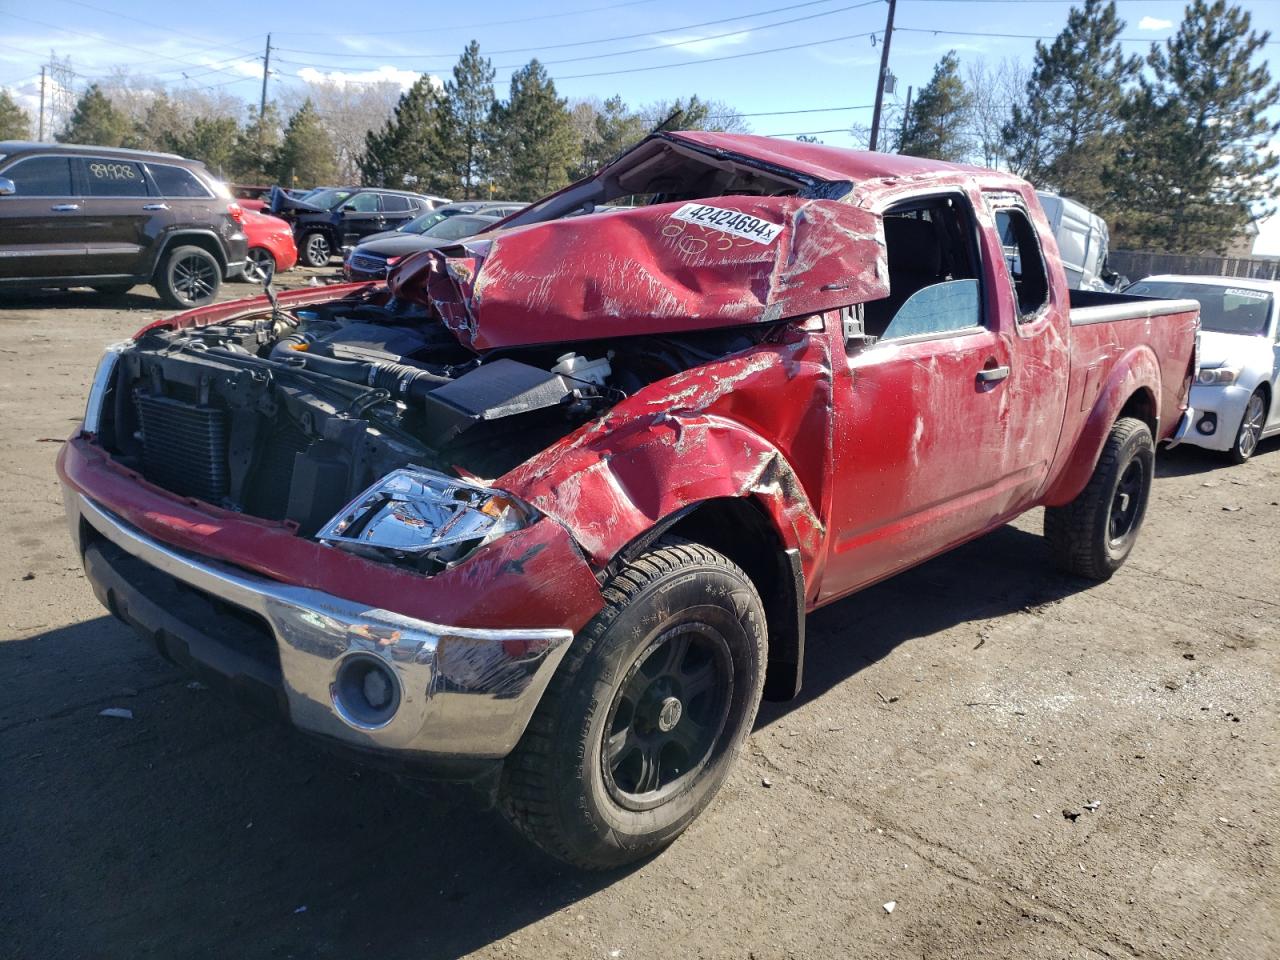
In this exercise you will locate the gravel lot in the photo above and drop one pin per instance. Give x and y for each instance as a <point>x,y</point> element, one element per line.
<point>1028,766</point>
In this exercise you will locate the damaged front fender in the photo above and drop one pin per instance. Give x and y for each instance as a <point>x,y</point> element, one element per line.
<point>694,437</point>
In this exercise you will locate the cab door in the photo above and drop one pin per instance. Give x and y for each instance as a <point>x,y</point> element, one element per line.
<point>40,236</point>
<point>397,210</point>
<point>929,417</point>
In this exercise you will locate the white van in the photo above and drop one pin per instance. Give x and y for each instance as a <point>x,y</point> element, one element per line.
<point>1082,241</point>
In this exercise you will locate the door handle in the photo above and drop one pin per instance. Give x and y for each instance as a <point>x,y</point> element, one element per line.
<point>64,207</point>
<point>155,206</point>
<point>993,374</point>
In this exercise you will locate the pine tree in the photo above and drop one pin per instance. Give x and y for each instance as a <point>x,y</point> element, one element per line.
<point>161,127</point>
<point>96,122</point>
<point>253,159</point>
<point>1194,158</point>
<point>211,140</point>
<point>1062,136</point>
<point>468,100</point>
<point>408,151</point>
<point>15,123</point>
<point>613,129</point>
<point>306,154</point>
<point>534,143</point>
<point>936,125</point>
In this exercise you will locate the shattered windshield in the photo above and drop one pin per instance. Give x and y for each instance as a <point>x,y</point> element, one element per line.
<point>1223,309</point>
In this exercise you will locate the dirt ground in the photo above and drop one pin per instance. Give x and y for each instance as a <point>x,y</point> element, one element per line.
<point>1028,766</point>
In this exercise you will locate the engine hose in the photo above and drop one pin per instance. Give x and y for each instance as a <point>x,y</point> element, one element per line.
<point>400,380</point>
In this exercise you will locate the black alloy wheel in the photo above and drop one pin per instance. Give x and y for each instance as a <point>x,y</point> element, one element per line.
<point>195,278</point>
<point>667,716</point>
<point>1126,505</point>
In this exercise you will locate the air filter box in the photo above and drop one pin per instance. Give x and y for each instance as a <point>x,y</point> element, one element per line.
<point>503,388</point>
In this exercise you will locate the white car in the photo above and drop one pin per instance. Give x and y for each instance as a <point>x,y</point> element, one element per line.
<point>1234,396</point>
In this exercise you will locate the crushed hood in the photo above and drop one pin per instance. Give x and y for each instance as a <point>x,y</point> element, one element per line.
<point>664,268</point>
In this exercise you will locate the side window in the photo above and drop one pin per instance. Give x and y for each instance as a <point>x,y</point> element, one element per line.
<point>933,271</point>
<point>41,177</point>
<point>362,203</point>
<point>394,204</point>
<point>177,182</point>
<point>1025,261</point>
<point>112,178</point>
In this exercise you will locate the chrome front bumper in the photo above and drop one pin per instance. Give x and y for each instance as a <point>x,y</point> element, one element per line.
<point>464,694</point>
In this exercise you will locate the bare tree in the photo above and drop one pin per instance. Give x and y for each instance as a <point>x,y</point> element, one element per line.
<point>995,88</point>
<point>348,110</point>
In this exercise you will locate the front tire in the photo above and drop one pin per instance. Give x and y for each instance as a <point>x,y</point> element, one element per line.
<point>643,720</point>
<point>189,277</point>
<point>1250,430</point>
<point>1093,535</point>
<point>316,249</point>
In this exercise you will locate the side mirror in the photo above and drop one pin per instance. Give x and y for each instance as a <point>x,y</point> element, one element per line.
<point>351,207</point>
<point>7,189</point>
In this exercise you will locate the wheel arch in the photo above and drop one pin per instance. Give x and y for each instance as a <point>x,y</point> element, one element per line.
<point>742,530</point>
<point>1132,389</point>
<point>203,239</point>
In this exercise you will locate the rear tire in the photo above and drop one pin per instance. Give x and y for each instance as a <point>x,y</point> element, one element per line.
<point>189,277</point>
<point>1093,534</point>
<point>1250,430</point>
<point>316,249</point>
<point>643,719</point>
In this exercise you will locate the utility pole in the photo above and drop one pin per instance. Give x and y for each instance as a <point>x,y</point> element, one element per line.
<point>884,72</point>
<point>266,72</point>
<point>262,104</point>
<point>906,116</point>
<point>40,135</point>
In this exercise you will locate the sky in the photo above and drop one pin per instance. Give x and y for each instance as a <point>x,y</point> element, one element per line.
<point>768,59</point>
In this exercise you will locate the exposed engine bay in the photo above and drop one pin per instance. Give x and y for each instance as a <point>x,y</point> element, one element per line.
<point>289,415</point>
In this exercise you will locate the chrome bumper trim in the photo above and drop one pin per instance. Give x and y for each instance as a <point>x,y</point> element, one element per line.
<point>464,692</point>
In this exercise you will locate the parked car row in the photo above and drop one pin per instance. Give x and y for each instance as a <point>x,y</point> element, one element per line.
<point>371,259</point>
<point>548,508</point>
<point>327,219</point>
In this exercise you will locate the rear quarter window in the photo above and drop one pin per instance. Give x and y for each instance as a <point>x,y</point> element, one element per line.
<point>177,182</point>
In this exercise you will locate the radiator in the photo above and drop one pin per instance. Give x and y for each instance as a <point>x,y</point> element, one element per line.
<point>184,447</point>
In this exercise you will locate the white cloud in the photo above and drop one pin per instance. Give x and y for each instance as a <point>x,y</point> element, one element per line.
<point>1154,23</point>
<point>692,43</point>
<point>402,78</point>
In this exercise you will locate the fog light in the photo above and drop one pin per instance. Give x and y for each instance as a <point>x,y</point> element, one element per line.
<point>366,693</point>
<point>1207,424</point>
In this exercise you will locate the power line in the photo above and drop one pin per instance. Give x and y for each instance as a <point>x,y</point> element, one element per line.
<point>150,23</point>
<point>626,36</point>
<point>80,33</point>
<point>470,26</point>
<point>1025,36</point>
<point>634,50</point>
<point>733,56</point>
<point>790,113</point>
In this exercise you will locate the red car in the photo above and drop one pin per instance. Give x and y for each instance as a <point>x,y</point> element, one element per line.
<point>550,507</point>
<point>271,245</point>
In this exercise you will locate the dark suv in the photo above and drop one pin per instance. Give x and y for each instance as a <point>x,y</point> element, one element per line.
<point>110,218</point>
<point>329,218</point>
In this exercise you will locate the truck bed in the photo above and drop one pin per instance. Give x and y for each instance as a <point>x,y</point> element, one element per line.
<point>1094,306</point>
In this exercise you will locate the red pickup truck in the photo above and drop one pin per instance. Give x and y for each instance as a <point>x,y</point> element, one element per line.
<point>551,505</point>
